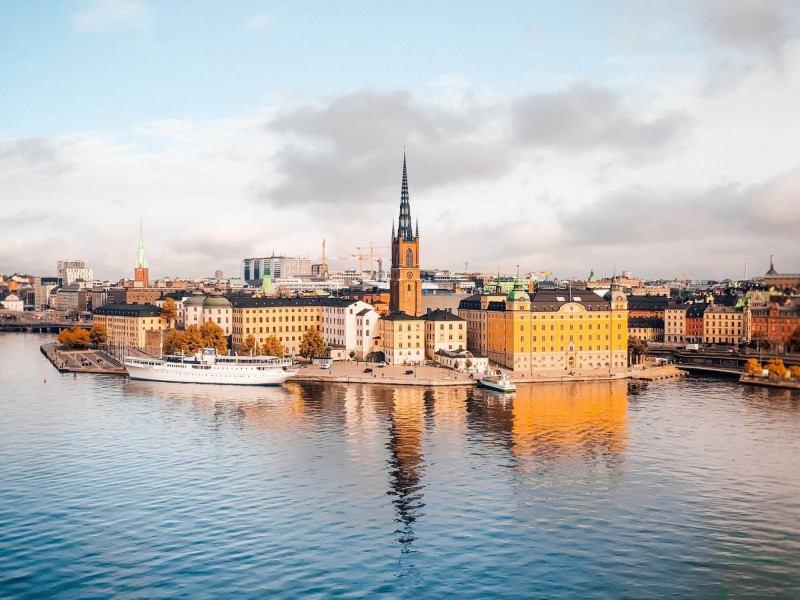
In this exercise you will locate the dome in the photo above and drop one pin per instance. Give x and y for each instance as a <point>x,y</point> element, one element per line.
<point>196,299</point>
<point>517,295</point>
<point>12,298</point>
<point>216,300</point>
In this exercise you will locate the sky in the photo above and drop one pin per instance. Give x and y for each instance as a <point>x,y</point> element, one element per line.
<point>657,137</point>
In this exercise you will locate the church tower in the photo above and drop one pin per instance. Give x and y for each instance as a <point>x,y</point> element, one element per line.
<point>141,276</point>
<point>405,283</point>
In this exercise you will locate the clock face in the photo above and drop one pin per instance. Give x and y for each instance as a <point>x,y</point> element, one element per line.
<point>409,274</point>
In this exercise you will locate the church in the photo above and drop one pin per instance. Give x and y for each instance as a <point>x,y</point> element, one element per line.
<point>402,331</point>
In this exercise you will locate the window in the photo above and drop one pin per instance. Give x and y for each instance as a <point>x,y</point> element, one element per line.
<point>409,258</point>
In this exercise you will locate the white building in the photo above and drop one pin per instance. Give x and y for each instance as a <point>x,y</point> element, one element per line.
<point>275,266</point>
<point>461,360</point>
<point>349,326</point>
<point>199,309</point>
<point>70,271</point>
<point>12,302</point>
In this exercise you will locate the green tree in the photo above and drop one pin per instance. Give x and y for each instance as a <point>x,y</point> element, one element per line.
<point>637,349</point>
<point>169,312</point>
<point>213,337</point>
<point>753,367</point>
<point>312,345</point>
<point>272,347</point>
<point>98,334</point>
<point>247,346</point>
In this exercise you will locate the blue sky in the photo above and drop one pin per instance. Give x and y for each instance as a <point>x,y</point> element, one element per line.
<point>528,123</point>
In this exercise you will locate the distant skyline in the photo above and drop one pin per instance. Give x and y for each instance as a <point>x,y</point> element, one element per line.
<point>656,137</point>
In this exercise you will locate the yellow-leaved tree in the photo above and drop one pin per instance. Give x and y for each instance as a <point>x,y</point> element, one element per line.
<point>74,337</point>
<point>312,346</point>
<point>272,347</point>
<point>192,340</point>
<point>169,312</point>
<point>213,337</point>
<point>753,367</point>
<point>777,368</point>
<point>794,372</point>
<point>98,335</point>
<point>247,346</point>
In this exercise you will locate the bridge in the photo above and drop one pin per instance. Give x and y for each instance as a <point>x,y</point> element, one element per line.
<point>30,323</point>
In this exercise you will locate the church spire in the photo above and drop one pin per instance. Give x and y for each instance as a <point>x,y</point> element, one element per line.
<point>405,230</point>
<point>141,257</point>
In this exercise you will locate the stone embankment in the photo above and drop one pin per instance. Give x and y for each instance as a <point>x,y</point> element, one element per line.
<point>82,361</point>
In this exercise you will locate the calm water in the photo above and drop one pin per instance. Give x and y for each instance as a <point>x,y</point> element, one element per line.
<point>686,489</point>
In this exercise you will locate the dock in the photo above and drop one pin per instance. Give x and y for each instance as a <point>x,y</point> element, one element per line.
<point>772,382</point>
<point>97,362</point>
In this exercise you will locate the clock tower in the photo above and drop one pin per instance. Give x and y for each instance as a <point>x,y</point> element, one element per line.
<point>405,292</point>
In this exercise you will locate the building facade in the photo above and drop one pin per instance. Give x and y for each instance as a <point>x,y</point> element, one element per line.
<point>405,287</point>
<point>777,321</point>
<point>723,325</point>
<point>444,331</point>
<point>675,323</point>
<point>70,271</point>
<point>129,324</point>
<point>402,339</point>
<point>275,266</point>
<point>695,322</point>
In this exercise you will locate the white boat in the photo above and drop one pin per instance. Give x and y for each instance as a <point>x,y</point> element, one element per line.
<point>207,366</point>
<point>498,382</point>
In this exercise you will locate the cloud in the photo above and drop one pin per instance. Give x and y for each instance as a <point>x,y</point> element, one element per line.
<point>259,22</point>
<point>350,150</point>
<point>764,24</point>
<point>107,15</point>
<point>586,116</point>
<point>36,153</point>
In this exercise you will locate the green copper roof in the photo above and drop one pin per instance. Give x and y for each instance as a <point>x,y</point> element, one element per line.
<point>141,257</point>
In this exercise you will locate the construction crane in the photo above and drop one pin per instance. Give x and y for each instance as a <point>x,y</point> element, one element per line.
<point>372,247</point>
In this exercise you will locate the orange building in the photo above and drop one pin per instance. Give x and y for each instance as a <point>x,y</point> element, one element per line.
<point>405,284</point>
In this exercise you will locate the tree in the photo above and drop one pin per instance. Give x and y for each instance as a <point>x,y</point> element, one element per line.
<point>213,337</point>
<point>777,368</point>
<point>753,367</point>
<point>760,341</point>
<point>74,337</point>
<point>247,346</point>
<point>457,365</point>
<point>272,347</point>
<point>793,343</point>
<point>636,350</point>
<point>468,363</point>
<point>169,312</point>
<point>312,345</point>
<point>98,334</point>
<point>174,341</point>
<point>794,372</point>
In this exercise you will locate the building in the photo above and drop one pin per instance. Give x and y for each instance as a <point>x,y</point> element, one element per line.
<point>554,330</point>
<point>646,329</point>
<point>70,271</point>
<point>130,324</point>
<point>141,272</point>
<point>675,323</point>
<point>695,322</point>
<point>781,281</point>
<point>777,321</point>
<point>402,339</point>
<point>647,307</point>
<point>461,360</point>
<point>12,302</point>
<point>448,301</point>
<point>198,309</point>
<point>276,267</point>
<point>444,331</point>
<point>723,325</point>
<point>42,288</point>
<point>473,309</point>
<point>349,327</point>
<point>405,285</point>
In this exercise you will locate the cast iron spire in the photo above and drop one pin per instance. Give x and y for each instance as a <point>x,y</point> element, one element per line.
<point>405,231</point>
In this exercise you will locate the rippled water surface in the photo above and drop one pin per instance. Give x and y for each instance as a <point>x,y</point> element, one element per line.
<point>685,489</point>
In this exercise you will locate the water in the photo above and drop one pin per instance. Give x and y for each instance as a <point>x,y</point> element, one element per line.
<point>686,489</point>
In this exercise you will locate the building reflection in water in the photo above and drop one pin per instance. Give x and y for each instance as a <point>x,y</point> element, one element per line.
<point>585,421</point>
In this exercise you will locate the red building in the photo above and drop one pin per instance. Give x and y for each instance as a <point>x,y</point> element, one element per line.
<point>694,322</point>
<point>777,321</point>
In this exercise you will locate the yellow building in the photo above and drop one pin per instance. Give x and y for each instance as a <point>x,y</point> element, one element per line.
<point>402,339</point>
<point>444,331</point>
<point>556,331</point>
<point>287,319</point>
<point>474,311</point>
<point>129,324</point>
<point>723,325</point>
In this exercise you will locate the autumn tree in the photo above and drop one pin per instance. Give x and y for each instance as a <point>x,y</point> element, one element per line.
<point>776,368</point>
<point>247,346</point>
<point>312,345</point>
<point>213,337</point>
<point>173,341</point>
<point>794,372</point>
<point>793,344</point>
<point>272,347</point>
<point>753,367</point>
<point>169,312</point>
<point>74,337</point>
<point>192,340</point>
<point>98,335</point>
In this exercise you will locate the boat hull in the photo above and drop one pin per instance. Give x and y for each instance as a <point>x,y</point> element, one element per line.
<point>498,387</point>
<point>216,376</point>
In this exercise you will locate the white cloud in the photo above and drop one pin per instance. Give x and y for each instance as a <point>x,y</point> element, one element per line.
<point>107,15</point>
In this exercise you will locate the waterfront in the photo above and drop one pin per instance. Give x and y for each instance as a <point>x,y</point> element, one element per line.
<point>685,488</point>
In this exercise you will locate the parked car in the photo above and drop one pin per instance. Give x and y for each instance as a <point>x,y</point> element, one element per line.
<point>410,372</point>
<point>368,370</point>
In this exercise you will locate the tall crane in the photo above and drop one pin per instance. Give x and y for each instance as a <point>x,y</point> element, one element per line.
<point>372,247</point>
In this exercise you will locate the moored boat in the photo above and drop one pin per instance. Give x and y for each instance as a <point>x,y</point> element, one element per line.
<point>498,382</point>
<point>207,366</point>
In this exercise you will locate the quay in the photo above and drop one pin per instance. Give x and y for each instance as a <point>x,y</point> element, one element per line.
<point>82,361</point>
<point>772,382</point>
